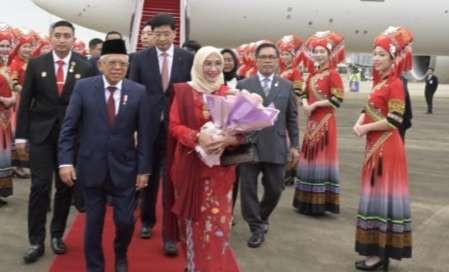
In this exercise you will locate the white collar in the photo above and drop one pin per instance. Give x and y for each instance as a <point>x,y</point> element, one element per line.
<point>170,51</point>
<point>107,84</point>
<point>262,77</point>
<point>66,59</point>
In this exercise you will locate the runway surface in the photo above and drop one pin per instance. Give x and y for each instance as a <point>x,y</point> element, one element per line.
<point>297,243</point>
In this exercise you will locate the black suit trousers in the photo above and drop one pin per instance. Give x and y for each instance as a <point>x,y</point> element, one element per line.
<point>44,167</point>
<point>124,204</point>
<point>255,212</point>
<point>149,193</point>
<point>429,92</point>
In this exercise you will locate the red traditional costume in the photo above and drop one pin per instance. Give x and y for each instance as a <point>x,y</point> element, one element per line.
<point>290,44</point>
<point>384,216</point>
<point>318,189</point>
<point>6,171</point>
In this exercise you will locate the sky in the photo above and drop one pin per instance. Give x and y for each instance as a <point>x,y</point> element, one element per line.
<point>24,13</point>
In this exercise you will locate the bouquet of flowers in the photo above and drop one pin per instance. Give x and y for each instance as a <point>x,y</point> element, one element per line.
<point>240,113</point>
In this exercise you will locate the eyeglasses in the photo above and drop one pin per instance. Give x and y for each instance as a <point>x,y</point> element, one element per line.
<point>267,57</point>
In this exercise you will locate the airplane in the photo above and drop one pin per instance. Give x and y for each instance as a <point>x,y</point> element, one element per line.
<point>233,22</point>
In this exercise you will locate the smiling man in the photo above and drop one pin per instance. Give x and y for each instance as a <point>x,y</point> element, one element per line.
<point>104,114</point>
<point>158,68</point>
<point>272,148</point>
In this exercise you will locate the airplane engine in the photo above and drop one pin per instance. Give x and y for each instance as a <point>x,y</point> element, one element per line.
<point>439,63</point>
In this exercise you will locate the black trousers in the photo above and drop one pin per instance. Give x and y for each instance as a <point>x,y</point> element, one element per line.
<point>429,98</point>
<point>124,204</point>
<point>255,212</point>
<point>149,193</point>
<point>44,167</point>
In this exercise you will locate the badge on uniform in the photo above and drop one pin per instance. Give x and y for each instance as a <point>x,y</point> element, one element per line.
<point>72,67</point>
<point>44,74</point>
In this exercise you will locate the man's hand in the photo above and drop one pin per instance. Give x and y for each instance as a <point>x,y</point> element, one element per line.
<point>68,175</point>
<point>294,158</point>
<point>21,150</point>
<point>142,181</point>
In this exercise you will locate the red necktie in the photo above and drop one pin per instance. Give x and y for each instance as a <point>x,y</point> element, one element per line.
<point>164,75</point>
<point>60,76</point>
<point>111,105</point>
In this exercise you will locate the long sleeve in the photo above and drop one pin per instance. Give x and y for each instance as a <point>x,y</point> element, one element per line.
<point>337,89</point>
<point>292,123</point>
<point>396,104</point>
<point>186,136</point>
<point>69,130</point>
<point>146,135</point>
<point>26,97</point>
<point>134,73</point>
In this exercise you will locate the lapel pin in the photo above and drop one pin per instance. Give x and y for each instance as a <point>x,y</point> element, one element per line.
<point>44,74</point>
<point>77,76</point>
<point>125,99</point>
<point>276,84</point>
<point>72,67</point>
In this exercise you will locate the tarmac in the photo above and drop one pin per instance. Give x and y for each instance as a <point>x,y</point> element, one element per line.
<point>298,243</point>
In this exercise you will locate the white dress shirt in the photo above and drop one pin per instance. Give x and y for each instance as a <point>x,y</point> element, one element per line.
<point>66,63</point>
<point>262,77</point>
<point>117,93</point>
<point>170,52</point>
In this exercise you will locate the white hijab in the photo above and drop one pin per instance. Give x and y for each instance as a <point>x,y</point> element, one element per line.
<point>199,82</point>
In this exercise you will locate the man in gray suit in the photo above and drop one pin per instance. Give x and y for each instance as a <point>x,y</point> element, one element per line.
<point>272,148</point>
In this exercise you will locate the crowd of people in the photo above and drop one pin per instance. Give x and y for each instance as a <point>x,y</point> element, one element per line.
<point>110,128</point>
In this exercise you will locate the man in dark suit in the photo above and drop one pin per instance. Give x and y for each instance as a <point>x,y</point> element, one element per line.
<point>105,112</point>
<point>430,89</point>
<point>272,149</point>
<point>158,68</point>
<point>47,89</point>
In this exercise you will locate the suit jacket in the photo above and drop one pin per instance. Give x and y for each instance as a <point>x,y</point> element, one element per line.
<point>145,70</point>
<point>93,62</point>
<point>431,83</point>
<point>41,108</point>
<point>272,141</point>
<point>104,149</point>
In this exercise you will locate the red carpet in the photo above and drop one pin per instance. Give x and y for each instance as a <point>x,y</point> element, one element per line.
<point>143,255</point>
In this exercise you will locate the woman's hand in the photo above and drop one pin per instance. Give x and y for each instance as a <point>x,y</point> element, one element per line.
<point>308,109</point>
<point>360,130</point>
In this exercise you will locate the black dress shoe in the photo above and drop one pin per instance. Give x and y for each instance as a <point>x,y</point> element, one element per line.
<point>146,232</point>
<point>33,253</point>
<point>2,202</point>
<point>256,240</point>
<point>380,265</point>
<point>121,265</point>
<point>170,248</point>
<point>58,246</point>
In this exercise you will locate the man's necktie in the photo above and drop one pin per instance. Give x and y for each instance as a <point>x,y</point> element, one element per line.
<point>60,76</point>
<point>164,74</point>
<point>111,105</point>
<point>266,86</point>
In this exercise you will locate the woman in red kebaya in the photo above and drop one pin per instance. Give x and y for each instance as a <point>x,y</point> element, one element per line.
<point>203,195</point>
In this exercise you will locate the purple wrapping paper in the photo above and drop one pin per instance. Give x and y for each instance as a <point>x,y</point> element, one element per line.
<point>241,113</point>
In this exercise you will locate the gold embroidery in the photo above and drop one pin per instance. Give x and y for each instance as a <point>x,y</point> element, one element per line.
<point>337,92</point>
<point>314,84</point>
<point>376,146</point>
<point>396,105</point>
